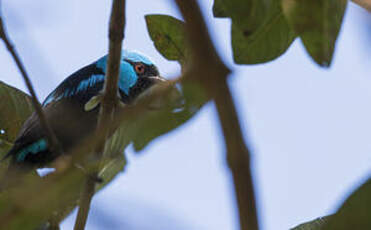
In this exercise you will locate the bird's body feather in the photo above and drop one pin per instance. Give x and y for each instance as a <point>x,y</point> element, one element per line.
<point>69,113</point>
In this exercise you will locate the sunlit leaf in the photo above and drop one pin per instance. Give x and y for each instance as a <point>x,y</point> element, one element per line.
<point>317,22</point>
<point>168,36</point>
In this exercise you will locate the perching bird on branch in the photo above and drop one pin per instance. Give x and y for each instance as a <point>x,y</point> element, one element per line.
<point>72,109</point>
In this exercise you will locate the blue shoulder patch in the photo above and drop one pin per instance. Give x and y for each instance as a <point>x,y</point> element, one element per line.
<point>34,148</point>
<point>81,87</point>
<point>90,82</point>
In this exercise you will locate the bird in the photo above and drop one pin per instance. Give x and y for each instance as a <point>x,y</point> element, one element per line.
<point>72,109</point>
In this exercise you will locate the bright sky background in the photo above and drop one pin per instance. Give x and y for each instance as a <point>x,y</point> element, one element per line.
<point>309,128</point>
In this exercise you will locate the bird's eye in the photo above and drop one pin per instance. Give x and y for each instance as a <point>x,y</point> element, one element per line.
<point>139,68</point>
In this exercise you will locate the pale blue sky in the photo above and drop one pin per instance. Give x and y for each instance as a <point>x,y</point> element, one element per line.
<point>308,128</point>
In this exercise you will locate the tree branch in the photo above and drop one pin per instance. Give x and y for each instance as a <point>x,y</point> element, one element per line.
<point>50,136</point>
<point>108,105</point>
<point>366,4</point>
<point>205,63</point>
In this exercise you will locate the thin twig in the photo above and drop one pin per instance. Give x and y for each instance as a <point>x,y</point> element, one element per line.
<point>50,136</point>
<point>205,57</point>
<point>85,201</point>
<point>108,104</point>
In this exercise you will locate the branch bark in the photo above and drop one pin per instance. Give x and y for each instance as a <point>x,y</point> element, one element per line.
<point>366,4</point>
<point>108,105</point>
<point>52,140</point>
<point>206,62</point>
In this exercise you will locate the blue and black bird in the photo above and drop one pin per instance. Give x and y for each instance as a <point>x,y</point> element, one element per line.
<point>72,108</point>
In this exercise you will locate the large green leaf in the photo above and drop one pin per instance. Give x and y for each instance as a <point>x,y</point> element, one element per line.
<point>159,122</point>
<point>15,108</point>
<point>38,199</point>
<point>316,224</point>
<point>260,32</point>
<point>111,169</point>
<point>317,22</point>
<point>218,9</point>
<point>266,43</point>
<point>353,214</point>
<point>169,39</point>
<point>248,14</point>
<point>167,33</point>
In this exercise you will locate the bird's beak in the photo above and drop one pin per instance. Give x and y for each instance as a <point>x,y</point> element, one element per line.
<point>158,79</point>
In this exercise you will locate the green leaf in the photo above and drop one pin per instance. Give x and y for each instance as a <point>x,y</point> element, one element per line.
<point>15,108</point>
<point>248,14</point>
<point>168,36</point>
<point>316,224</point>
<point>353,214</point>
<point>157,123</point>
<point>317,22</point>
<point>260,32</point>
<point>111,169</point>
<point>49,194</point>
<point>218,9</point>
<point>167,33</point>
<point>268,42</point>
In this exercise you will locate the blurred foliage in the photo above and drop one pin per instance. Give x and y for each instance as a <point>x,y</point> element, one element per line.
<point>355,213</point>
<point>39,199</point>
<point>259,35</point>
<point>263,30</point>
<point>181,101</point>
<point>316,224</point>
<point>318,23</point>
<point>158,122</point>
<point>15,108</point>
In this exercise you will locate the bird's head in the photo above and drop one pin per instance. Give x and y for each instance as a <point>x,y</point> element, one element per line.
<point>137,74</point>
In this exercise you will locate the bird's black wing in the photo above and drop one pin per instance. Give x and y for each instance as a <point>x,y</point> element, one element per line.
<point>64,110</point>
